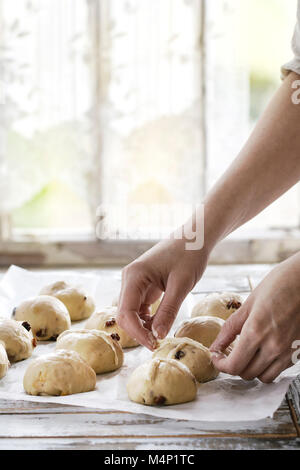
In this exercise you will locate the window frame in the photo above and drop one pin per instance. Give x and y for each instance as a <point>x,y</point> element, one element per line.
<point>270,246</point>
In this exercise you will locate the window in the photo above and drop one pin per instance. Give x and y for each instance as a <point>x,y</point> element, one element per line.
<point>134,104</point>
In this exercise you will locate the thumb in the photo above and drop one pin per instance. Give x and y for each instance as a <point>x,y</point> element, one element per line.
<point>230,330</point>
<point>168,309</point>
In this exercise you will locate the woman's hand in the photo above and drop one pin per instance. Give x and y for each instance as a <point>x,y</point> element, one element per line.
<point>168,267</point>
<point>268,324</point>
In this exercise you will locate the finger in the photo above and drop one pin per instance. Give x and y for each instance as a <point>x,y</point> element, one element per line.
<point>147,320</point>
<point>241,355</point>
<point>275,369</point>
<point>261,361</point>
<point>230,330</point>
<point>153,294</point>
<point>168,309</point>
<point>128,314</point>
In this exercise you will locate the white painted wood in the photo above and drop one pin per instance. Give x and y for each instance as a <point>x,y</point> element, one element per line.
<point>123,424</point>
<point>151,444</point>
<point>29,425</point>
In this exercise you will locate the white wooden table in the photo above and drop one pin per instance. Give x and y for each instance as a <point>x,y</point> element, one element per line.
<point>28,425</point>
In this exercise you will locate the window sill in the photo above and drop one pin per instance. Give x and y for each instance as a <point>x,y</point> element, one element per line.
<point>259,248</point>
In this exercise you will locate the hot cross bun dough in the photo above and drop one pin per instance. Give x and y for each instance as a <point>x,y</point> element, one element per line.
<point>4,362</point>
<point>97,348</point>
<point>162,382</point>
<point>59,373</point>
<point>192,354</point>
<point>47,316</point>
<point>105,320</point>
<point>17,338</point>
<point>202,329</point>
<point>79,304</point>
<point>217,305</point>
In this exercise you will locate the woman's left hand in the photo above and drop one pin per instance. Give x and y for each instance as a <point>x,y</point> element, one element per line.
<point>269,327</point>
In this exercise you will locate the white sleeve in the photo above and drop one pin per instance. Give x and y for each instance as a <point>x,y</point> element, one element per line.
<point>294,65</point>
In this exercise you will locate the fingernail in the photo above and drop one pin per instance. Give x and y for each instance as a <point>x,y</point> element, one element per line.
<point>152,341</point>
<point>159,333</point>
<point>217,354</point>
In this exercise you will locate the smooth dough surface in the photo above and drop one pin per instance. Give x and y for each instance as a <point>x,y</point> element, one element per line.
<point>18,339</point>
<point>98,348</point>
<point>47,316</point>
<point>192,354</point>
<point>217,305</point>
<point>106,321</point>
<point>202,329</point>
<point>60,373</point>
<point>79,304</point>
<point>4,362</point>
<point>161,382</point>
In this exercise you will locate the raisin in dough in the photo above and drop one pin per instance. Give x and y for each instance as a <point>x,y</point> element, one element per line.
<point>18,339</point>
<point>202,329</point>
<point>106,321</point>
<point>99,349</point>
<point>59,373</point>
<point>161,382</point>
<point>79,304</point>
<point>4,362</point>
<point>192,354</point>
<point>217,305</point>
<point>47,316</point>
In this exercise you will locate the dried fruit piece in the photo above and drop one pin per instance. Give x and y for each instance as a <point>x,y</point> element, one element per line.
<point>115,336</point>
<point>26,325</point>
<point>233,304</point>
<point>160,400</point>
<point>110,322</point>
<point>179,355</point>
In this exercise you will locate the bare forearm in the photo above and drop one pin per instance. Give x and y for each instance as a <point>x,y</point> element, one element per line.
<point>267,166</point>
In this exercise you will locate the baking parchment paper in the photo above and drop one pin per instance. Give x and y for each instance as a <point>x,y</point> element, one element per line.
<point>225,399</point>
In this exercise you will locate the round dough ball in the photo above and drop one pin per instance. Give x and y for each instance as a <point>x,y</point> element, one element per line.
<point>217,305</point>
<point>192,354</point>
<point>4,362</point>
<point>79,304</point>
<point>162,382</point>
<point>47,316</point>
<point>97,348</point>
<point>59,373</point>
<point>202,329</point>
<point>106,321</point>
<point>18,339</point>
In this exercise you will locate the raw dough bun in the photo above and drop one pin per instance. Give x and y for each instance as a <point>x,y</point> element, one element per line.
<point>97,348</point>
<point>18,339</point>
<point>59,373</point>
<point>201,329</point>
<point>192,354</point>
<point>79,304</point>
<point>162,382</point>
<point>106,321</point>
<point>155,306</point>
<point>217,305</point>
<point>4,362</point>
<point>47,316</point>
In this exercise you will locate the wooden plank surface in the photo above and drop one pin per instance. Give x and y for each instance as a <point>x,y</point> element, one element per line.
<point>32,425</point>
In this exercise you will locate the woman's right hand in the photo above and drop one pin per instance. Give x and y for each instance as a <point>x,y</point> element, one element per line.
<point>168,267</point>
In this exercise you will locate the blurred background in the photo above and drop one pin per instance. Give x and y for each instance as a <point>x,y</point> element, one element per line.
<point>126,102</point>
